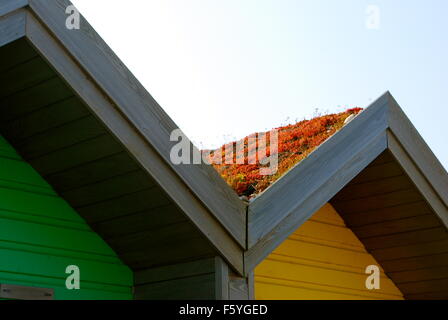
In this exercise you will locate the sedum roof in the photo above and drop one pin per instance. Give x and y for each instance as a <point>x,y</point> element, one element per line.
<point>295,142</point>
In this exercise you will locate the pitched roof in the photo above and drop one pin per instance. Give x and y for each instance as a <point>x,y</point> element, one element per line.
<point>380,143</point>
<point>112,125</point>
<point>295,143</point>
<point>111,130</point>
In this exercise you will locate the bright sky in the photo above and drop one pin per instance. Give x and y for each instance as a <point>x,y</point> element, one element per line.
<point>223,69</point>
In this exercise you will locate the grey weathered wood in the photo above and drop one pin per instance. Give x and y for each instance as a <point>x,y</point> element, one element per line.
<point>136,143</point>
<point>12,26</point>
<point>147,117</point>
<point>7,6</point>
<point>251,285</point>
<point>418,150</point>
<point>221,279</point>
<point>353,164</point>
<point>318,169</point>
<point>9,291</point>
<point>238,288</point>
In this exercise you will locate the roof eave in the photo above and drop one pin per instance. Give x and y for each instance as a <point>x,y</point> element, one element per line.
<point>382,126</point>
<point>198,190</point>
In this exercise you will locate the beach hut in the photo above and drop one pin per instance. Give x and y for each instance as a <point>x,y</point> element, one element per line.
<point>93,207</point>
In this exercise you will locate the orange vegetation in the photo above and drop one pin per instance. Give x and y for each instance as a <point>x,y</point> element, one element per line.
<point>295,142</point>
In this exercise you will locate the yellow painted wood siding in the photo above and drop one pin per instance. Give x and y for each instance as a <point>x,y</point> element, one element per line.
<point>323,259</point>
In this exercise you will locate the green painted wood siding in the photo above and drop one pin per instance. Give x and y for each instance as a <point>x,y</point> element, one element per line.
<point>40,235</point>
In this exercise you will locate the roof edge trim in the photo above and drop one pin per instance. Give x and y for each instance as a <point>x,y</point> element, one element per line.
<point>8,6</point>
<point>353,164</point>
<point>12,26</point>
<point>279,200</point>
<point>418,149</point>
<point>110,74</point>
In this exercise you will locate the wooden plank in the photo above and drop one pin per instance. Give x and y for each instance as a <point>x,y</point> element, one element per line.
<point>140,108</point>
<point>91,172</point>
<point>384,157</point>
<point>423,185</point>
<point>411,251</point>
<point>238,288</point>
<point>412,209</point>
<point>154,218</point>
<point>193,288</point>
<point>19,173</point>
<point>397,226</point>
<point>420,287</point>
<point>319,168</point>
<point>327,277</point>
<point>377,187</point>
<point>7,6</point>
<point>352,166</point>
<point>147,239</point>
<point>424,274</point>
<point>110,188</point>
<point>32,99</point>
<point>39,121</point>
<point>221,279</point>
<point>75,155</point>
<point>251,285</point>
<point>23,76</point>
<point>268,289</point>
<point>405,238</point>
<point>167,252</point>
<point>418,150</point>
<point>138,146</point>
<point>376,202</point>
<point>407,264</point>
<point>45,235</point>
<point>175,271</point>
<point>378,172</point>
<point>127,204</point>
<point>12,26</point>
<point>441,295</point>
<point>61,137</point>
<point>9,291</point>
<point>15,53</point>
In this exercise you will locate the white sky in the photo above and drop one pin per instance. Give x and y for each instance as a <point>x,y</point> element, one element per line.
<point>225,68</point>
